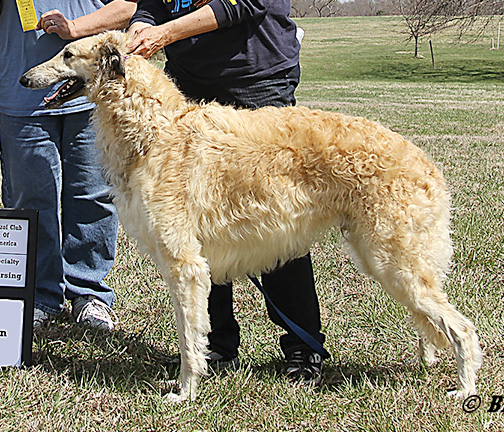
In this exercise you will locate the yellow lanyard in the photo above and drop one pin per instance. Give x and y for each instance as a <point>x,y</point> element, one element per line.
<point>26,10</point>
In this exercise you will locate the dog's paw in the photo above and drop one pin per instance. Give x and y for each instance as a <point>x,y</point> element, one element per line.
<point>452,393</point>
<point>428,360</point>
<point>175,398</point>
<point>422,361</point>
<point>184,395</point>
<point>461,393</point>
<point>426,353</point>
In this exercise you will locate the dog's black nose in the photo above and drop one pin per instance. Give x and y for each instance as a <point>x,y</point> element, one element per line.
<point>24,81</point>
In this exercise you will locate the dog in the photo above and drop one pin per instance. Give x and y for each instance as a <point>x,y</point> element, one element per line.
<point>213,193</point>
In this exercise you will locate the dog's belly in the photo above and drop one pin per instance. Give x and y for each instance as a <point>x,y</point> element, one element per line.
<point>230,258</point>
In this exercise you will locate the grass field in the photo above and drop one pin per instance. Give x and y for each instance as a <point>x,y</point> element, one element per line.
<point>86,381</point>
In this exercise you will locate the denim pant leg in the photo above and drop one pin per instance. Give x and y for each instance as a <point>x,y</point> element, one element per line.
<point>31,178</point>
<point>89,218</point>
<point>74,244</point>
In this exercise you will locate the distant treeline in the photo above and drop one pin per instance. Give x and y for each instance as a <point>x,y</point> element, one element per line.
<point>330,8</point>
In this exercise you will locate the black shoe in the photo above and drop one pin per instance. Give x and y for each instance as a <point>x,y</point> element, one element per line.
<point>218,362</point>
<point>304,366</point>
<point>215,361</point>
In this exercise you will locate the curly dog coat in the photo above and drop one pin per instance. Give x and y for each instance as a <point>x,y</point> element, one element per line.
<point>213,193</point>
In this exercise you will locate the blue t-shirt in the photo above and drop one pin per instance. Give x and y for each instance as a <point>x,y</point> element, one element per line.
<point>20,51</point>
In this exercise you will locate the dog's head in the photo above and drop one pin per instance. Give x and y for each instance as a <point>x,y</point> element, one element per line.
<point>80,64</point>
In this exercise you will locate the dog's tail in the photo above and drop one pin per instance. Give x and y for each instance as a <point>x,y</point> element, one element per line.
<point>404,243</point>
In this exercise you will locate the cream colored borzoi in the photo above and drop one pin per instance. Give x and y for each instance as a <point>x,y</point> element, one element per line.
<point>213,193</point>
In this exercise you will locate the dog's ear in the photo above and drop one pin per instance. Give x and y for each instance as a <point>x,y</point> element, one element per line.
<point>112,60</point>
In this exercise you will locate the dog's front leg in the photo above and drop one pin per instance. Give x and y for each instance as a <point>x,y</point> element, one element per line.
<point>189,288</point>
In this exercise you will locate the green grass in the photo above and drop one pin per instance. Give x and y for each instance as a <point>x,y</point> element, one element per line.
<point>85,381</point>
<point>376,49</point>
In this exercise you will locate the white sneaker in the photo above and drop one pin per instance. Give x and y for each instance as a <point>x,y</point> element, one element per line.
<point>92,312</point>
<point>39,318</point>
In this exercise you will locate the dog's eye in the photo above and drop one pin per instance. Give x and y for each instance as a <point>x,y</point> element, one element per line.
<point>67,55</point>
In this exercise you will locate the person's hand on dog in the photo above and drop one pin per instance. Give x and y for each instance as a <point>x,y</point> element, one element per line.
<point>146,40</point>
<point>55,22</point>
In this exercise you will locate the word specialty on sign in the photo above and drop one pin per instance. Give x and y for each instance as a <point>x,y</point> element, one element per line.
<point>13,252</point>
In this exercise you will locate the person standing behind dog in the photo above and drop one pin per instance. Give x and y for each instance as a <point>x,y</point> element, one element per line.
<point>49,161</point>
<point>243,53</point>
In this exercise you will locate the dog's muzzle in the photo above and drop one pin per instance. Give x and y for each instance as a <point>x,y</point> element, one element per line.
<point>70,89</point>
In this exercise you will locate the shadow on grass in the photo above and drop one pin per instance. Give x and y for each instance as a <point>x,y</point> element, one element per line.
<point>468,71</point>
<point>124,361</point>
<point>380,375</point>
<point>337,376</point>
<point>118,360</point>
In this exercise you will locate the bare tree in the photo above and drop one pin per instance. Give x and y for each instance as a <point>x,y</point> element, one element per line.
<point>426,17</point>
<point>326,8</point>
<point>361,7</point>
<point>318,8</point>
<point>300,8</point>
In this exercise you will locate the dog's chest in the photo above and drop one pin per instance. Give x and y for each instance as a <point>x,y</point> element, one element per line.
<point>134,218</point>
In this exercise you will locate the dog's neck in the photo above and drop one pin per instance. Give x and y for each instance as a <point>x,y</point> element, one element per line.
<point>131,111</point>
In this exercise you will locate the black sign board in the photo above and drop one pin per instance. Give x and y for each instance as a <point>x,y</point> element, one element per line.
<point>18,257</point>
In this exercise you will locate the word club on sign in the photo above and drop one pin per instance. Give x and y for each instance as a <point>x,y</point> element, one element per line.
<point>13,252</point>
<point>18,258</point>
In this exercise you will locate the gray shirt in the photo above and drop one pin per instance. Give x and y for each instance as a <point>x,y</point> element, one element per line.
<point>19,51</point>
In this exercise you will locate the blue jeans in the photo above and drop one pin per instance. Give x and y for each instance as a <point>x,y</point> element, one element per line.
<point>50,163</point>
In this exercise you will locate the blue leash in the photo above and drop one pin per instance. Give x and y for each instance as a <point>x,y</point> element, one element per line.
<point>314,344</point>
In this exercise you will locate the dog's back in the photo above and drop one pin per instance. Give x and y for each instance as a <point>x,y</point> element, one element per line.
<point>209,190</point>
<point>275,179</point>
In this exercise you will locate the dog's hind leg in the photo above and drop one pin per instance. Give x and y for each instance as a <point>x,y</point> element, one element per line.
<point>459,331</point>
<point>431,338</point>
<point>189,282</point>
<point>426,351</point>
<point>413,279</point>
